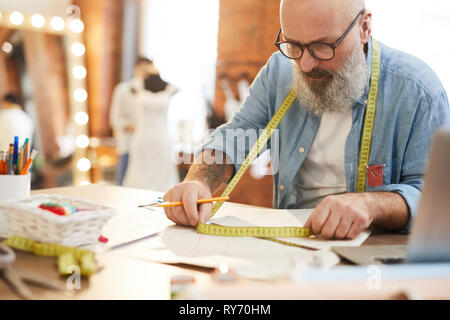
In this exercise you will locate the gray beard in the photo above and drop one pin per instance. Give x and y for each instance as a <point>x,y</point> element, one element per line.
<point>340,92</point>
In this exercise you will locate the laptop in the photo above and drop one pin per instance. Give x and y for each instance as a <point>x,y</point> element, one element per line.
<point>429,240</point>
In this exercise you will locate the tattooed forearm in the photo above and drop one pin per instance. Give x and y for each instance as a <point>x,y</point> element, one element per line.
<point>211,167</point>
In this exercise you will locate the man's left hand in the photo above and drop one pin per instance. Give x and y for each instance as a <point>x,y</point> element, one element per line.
<point>342,216</point>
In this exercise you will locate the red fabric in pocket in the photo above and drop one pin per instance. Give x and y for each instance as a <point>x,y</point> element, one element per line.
<point>375,175</point>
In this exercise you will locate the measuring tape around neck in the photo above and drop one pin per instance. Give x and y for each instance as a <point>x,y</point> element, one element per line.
<point>369,117</point>
<point>282,232</point>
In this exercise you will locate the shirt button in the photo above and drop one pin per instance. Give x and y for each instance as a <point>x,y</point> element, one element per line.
<point>301,150</point>
<point>366,101</point>
<point>281,187</point>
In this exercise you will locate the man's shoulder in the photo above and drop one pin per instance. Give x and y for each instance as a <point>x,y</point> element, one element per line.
<point>278,71</point>
<point>407,70</point>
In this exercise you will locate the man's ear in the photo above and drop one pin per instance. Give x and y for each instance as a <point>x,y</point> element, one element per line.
<point>365,30</point>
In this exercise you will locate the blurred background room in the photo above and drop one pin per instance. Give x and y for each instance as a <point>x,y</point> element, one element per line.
<point>123,91</point>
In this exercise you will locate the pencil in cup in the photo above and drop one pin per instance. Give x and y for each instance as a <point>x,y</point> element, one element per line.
<point>29,161</point>
<point>180,203</point>
<point>11,159</point>
<point>2,162</point>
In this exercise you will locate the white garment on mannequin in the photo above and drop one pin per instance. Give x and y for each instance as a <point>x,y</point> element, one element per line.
<point>123,111</point>
<point>150,165</point>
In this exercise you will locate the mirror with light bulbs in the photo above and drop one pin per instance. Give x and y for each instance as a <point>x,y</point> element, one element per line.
<point>42,62</point>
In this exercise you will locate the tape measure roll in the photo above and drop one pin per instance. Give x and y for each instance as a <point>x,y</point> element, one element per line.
<point>67,256</point>
<point>273,232</point>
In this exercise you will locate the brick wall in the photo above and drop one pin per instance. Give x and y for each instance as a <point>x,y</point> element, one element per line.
<point>247,31</point>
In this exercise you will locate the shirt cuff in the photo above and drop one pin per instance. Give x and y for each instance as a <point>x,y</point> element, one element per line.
<point>411,194</point>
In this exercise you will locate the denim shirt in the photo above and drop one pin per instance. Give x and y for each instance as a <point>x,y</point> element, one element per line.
<point>411,105</point>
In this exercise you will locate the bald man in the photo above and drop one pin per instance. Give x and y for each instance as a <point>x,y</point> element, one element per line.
<point>325,55</point>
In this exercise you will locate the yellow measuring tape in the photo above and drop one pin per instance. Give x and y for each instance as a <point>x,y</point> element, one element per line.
<point>67,256</point>
<point>369,117</point>
<point>261,232</point>
<point>283,232</point>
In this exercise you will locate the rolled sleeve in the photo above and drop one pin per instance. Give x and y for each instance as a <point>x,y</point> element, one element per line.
<point>411,194</point>
<point>432,114</point>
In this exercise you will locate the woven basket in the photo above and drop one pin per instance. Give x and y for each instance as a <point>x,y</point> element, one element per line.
<point>25,218</point>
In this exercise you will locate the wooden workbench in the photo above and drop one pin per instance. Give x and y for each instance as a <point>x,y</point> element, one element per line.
<point>125,277</point>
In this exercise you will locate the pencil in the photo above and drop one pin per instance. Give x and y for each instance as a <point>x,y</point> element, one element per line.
<point>25,151</point>
<point>180,203</point>
<point>11,159</point>
<point>28,164</point>
<point>19,161</point>
<point>5,166</point>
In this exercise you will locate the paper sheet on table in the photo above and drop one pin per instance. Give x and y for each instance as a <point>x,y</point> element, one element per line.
<point>232,214</point>
<point>131,223</point>
<point>249,258</point>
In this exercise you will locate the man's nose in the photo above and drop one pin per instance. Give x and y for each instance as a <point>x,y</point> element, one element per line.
<point>307,62</point>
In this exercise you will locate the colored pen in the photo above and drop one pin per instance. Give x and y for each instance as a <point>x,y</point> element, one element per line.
<point>29,161</point>
<point>11,159</point>
<point>16,149</point>
<point>25,151</point>
<point>2,161</point>
<point>180,203</point>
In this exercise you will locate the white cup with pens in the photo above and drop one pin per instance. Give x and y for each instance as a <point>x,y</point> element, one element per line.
<point>15,177</point>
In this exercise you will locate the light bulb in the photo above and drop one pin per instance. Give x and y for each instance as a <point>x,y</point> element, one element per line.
<point>16,18</point>
<point>37,20</point>
<point>76,25</point>
<point>81,118</point>
<point>57,23</point>
<point>7,47</point>
<point>78,49</point>
<point>82,141</point>
<point>80,95</point>
<point>83,164</point>
<point>79,72</point>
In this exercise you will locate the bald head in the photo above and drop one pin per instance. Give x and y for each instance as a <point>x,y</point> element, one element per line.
<point>303,18</point>
<point>347,7</point>
<point>307,21</point>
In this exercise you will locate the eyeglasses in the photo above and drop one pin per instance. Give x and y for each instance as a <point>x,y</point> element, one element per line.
<point>319,50</point>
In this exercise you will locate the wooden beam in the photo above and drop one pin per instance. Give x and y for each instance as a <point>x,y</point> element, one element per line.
<point>9,68</point>
<point>247,30</point>
<point>45,61</point>
<point>103,39</point>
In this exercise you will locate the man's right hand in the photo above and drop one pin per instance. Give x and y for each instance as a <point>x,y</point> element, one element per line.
<point>190,213</point>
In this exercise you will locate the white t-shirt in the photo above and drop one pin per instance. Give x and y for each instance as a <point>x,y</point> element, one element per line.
<point>323,171</point>
<point>14,122</point>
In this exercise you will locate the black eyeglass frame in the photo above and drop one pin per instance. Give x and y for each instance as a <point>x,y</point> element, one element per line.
<point>302,47</point>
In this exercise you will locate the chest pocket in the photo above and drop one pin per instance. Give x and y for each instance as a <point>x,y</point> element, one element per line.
<point>375,174</point>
